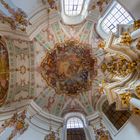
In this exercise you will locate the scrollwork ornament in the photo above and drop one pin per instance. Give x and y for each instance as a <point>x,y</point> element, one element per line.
<point>120,67</point>
<point>125,98</point>
<point>126,39</point>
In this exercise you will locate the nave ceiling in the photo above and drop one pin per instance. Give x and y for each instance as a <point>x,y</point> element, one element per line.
<point>28,49</point>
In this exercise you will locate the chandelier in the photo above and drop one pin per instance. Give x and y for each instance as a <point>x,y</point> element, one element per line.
<point>69,67</point>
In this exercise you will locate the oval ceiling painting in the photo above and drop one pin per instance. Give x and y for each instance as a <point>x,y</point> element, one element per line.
<point>4,71</point>
<point>69,67</point>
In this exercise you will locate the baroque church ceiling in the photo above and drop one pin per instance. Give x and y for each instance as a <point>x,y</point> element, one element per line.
<point>49,100</point>
<point>35,75</point>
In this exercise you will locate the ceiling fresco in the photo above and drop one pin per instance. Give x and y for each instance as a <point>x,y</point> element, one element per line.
<point>53,68</point>
<point>47,97</point>
<point>25,58</point>
<point>69,67</point>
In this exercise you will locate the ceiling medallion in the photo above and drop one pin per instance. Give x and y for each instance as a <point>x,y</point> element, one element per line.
<point>69,67</point>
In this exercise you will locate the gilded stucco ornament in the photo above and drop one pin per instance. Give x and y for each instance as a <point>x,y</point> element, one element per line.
<point>17,121</point>
<point>125,98</point>
<point>138,44</point>
<point>126,39</point>
<point>50,136</point>
<point>136,24</point>
<point>69,67</point>
<point>18,20</point>
<point>136,111</point>
<point>120,66</point>
<point>101,44</point>
<point>100,5</point>
<point>101,132</point>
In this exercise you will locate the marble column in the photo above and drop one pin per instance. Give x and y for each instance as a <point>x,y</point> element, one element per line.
<point>135,34</point>
<point>135,102</point>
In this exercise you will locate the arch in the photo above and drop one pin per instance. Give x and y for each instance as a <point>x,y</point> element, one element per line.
<point>82,120</point>
<point>74,122</point>
<point>73,8</point>
<point>4,71</point>
<point>75,129</point>
<point>74,12</point>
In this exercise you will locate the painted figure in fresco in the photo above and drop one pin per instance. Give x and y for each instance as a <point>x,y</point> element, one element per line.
<point>69,68</point>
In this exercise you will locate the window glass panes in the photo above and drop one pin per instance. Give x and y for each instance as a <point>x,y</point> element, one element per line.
<point>117,15</point>
<point>74,123</point>
<point>73,7</point>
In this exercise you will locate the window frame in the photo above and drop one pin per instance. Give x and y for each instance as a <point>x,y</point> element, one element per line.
<point>99,27</point>
<point>76,14</point>
<point>76,19</point>
<point>79,119</point>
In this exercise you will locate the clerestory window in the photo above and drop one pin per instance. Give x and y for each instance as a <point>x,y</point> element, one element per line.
<point>116,15</point>
<point>74,122</point>
<point>74,11</point>
<point>75,129</point>
<point>73,7</point>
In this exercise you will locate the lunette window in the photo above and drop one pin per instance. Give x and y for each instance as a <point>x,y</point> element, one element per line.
<point>73,7</point>
<point>74,122</point>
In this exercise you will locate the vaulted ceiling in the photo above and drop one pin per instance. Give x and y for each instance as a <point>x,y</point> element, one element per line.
<point>28,49</point>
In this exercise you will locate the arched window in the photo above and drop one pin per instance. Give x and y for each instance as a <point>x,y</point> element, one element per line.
<point>115,15</point>
<point>73,7</point>
<point>74,11</point>
<point>74,122</point>
<point>75,129</point>
<point>117,118</point>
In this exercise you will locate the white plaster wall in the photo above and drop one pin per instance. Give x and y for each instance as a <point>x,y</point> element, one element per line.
<point>131,131</point>
<point>31,134</point>
<point>133,6</point>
